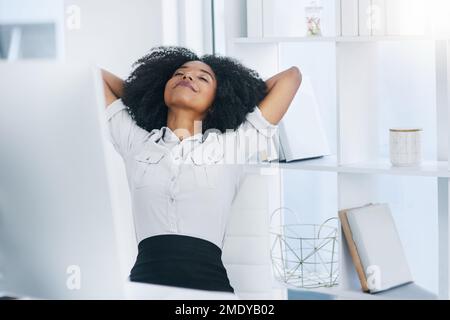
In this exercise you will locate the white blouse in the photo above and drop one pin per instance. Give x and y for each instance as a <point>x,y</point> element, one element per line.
<point>187,187</point>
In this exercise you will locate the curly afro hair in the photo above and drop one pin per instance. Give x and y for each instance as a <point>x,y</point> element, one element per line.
<point>239,89</point>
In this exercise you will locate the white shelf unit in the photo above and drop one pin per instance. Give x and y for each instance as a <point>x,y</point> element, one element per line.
<point>438,169</point>
<point>245,40</point>
<point>357,161</point>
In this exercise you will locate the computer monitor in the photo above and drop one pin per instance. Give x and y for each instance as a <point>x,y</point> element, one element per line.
<point>57,232</point>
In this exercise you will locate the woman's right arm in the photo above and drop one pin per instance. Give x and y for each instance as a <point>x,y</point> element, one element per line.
<point>113,87</point>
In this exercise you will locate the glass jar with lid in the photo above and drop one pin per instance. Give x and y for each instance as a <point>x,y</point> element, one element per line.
<point>313,15</point>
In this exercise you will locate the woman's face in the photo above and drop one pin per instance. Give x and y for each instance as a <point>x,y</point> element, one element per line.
<point>192,86</point>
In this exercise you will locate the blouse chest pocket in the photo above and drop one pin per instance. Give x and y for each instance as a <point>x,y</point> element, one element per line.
<point>206,174</point>
<point>147,164</point>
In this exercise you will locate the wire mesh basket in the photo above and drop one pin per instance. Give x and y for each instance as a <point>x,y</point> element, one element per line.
<point>304,255</point>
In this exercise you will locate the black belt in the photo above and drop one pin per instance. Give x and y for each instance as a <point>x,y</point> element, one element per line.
<point>181,261</point>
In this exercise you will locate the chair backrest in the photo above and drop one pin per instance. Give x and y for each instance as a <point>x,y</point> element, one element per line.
<point>246,249</point>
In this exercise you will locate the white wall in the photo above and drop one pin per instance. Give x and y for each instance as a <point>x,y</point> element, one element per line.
<point>188,23</point>
<point>114,34</point>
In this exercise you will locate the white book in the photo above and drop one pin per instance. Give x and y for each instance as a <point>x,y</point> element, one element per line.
<point>406,17</point>
<point>338,20</point>
<point>350,17</point>
<point>394,23</point>
<point>255,18</point>
<point>283,18</point>
<point>365,17</point>
<point>378,247</point>
<point>301,131</point>
<point>269,23</point>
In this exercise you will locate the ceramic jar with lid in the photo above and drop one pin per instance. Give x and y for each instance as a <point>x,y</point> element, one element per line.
<point>405,146</point>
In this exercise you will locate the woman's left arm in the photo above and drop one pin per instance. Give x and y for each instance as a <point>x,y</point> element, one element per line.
<point>282,88</point>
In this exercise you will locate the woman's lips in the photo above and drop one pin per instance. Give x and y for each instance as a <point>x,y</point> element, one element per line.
<point>185,84</point>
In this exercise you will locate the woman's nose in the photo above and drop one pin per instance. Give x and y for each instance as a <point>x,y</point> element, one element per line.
<point>187,75</point>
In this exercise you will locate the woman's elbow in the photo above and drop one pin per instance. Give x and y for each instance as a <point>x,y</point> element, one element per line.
<point>296,75</point>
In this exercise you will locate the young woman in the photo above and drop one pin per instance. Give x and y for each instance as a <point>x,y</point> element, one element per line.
<point>184,125</point>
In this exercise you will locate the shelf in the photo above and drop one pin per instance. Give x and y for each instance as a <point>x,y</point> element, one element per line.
<point>340,294</point>
<point>410,291</point>
<point>381,166</point>
<point>326,163</point>
<point>263,40</point>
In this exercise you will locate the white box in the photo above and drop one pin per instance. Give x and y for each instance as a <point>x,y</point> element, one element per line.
<point>349,17</point>
<point>372,17</point>
<point>255,18</point>
<point>379,17</point>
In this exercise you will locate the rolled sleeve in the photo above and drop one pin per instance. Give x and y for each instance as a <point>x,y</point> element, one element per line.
<point>261,124</point>
<point>125,135</point>
<point>256,138</point>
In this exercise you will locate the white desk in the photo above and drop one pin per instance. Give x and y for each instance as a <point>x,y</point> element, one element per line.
<point>144,291</point>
